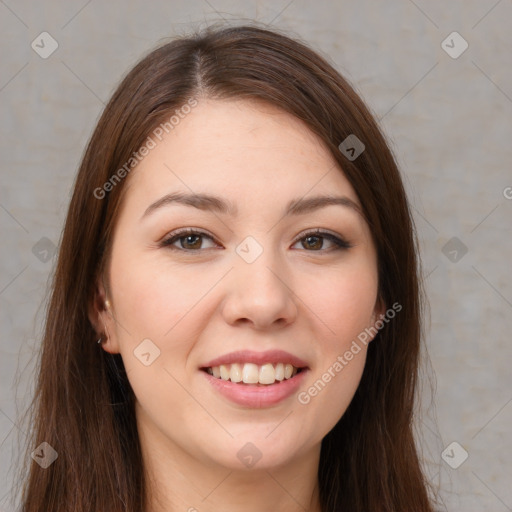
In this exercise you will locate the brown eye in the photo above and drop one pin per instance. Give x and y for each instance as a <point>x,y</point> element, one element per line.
<point>190,241</point>
<point>314,241</point>
<point>187,240</point>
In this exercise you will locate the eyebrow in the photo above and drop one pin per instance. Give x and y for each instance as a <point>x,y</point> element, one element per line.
<point>211,203</point>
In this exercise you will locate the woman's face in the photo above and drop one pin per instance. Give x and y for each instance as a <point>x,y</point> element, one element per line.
<point>253,288</point>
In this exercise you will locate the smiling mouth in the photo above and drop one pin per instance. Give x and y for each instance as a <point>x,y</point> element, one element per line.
<point>250,373</point>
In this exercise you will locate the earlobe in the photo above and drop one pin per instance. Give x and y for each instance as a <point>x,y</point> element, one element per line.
<point>380,309</point>
<point>98,310</point>
<point>377,315</point>
<point>100,315</point>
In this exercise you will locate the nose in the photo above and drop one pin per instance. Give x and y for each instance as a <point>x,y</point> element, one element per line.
<point>260,293</point>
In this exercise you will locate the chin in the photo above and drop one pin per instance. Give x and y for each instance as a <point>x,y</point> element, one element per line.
<point>257,450</point>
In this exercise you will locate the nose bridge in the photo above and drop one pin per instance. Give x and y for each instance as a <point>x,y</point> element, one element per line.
<point>259,267</point>
<point>259,292</point>
<point>261,274</point>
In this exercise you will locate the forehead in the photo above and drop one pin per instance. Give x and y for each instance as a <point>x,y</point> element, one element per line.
<point>240,149</point>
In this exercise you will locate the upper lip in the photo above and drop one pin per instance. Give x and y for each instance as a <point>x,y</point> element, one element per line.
<point>259,358</point>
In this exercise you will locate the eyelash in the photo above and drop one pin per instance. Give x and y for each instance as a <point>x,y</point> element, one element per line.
<point>339,242</point>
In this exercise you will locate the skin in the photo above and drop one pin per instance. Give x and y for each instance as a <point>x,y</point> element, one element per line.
<point>300,295</point>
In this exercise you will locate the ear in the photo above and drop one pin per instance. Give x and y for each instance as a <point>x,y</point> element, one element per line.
<point>378,312</point>
<point>100,313</point>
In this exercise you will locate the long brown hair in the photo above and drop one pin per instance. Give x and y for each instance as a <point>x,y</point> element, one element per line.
<point>84,405</point>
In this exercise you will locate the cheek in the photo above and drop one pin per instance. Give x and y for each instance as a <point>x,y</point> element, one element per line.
<point>332,389</point>
<point>344,302</point>
<point>154,313</point>
<point>152,297</point>
<point>157,302</point>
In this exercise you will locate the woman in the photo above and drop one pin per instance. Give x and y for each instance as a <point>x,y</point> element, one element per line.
<point>235,315</point>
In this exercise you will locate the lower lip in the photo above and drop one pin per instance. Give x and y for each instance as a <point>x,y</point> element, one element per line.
<point>254,396</point>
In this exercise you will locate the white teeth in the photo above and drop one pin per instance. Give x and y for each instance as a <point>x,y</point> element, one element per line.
<point>279,371</point>
<point>236,373</point>
<point>250,373</point>
<point>224,372</point>
<point>267,374</point>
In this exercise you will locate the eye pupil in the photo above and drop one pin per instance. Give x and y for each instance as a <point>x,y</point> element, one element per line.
<point>194,238</point>
<point>317,239</point>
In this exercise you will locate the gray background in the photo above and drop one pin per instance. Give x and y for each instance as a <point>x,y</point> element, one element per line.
<point>447,119</point>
